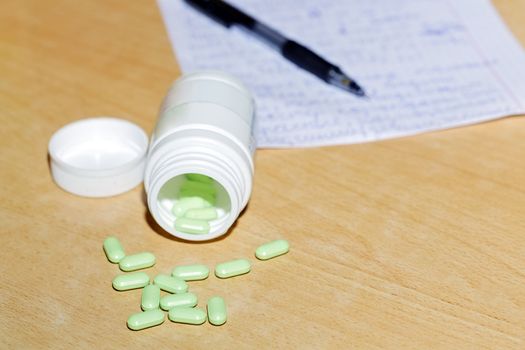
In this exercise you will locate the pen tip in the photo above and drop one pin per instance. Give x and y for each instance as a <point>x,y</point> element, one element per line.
<point>356,89</point>
<point>338,78</point>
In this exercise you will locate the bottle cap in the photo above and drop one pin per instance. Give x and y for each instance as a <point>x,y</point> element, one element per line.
<point>98,157</point>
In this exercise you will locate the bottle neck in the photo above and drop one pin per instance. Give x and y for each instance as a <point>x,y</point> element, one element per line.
<point>188,152</point>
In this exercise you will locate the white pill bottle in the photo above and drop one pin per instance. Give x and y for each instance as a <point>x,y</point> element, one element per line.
<point>205,126</point>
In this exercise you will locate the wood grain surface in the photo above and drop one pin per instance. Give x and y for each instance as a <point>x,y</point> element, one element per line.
<point>413,243</point>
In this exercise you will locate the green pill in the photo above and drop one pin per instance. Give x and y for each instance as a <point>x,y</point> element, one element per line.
<point>113,249</point>
<point>199,178</point>
<point>198,187</point>
<point>232,268</point>
<point>209,199</point>
<point>130,281</point>
<point>187,315</point>
<point>171,284</point>
<point>217,311</point>
<point>272,249</point>
<point>192,226</point>
<point>191,272</point>
<point>145,319</point>
<point>137,261</point>
<point>150,297</point>
<point>201,214</point>
<point>178,300</point>
<point>186,203</point>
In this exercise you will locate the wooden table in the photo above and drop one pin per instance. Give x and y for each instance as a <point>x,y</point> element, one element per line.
<point>414,243</point>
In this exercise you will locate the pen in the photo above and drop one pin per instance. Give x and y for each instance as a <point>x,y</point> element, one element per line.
<point>296,53</point>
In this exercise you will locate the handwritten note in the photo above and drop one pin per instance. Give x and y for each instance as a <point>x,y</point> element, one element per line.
<point>426,65</point>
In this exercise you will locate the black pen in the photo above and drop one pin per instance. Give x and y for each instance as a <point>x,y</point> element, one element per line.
<point>296,53</point>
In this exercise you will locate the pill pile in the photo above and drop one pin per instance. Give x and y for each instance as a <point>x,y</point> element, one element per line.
<point>195,206</point>
<point>180,304</point>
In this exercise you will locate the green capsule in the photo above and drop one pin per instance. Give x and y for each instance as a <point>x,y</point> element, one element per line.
<point>171,284</point>
<point>170,301</point>
<point>272,249</point>
<point>137,261</point>
<point>192,226</point>
<point>198,187</point>
<point>199,178</point>
<point>184,204</point>
<point>113,249</point>
<point>187,315</point>
<point>131,281</point>
<point>232,268</point>
<point>207,214</point>
<point>209,199</point>
<point>191,272</point>
<point>145,319</point>
<point>217,311</point>
<point>150,297</point>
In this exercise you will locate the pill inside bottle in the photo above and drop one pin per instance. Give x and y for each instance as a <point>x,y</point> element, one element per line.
<point>194,207</point>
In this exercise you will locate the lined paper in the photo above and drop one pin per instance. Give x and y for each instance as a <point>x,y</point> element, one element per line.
<point>425,64</point>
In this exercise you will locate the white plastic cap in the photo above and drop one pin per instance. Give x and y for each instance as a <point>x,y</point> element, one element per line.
<point>98,157</point>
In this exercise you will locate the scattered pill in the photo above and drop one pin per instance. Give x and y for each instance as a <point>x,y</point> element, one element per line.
<point>232,268</point>
<point>113,249</point>
<point>192,226</point>
<point>199,178</point>
<point>187,315</point>
<point>131,281</point>
<point>170,301</point>
<point>150,297</point>
<point>137,261</point>
<point>191,272</point>
<point>201,214</point>
<point>171,284</point>
<point>181,306</point>
<point>217,311</point>
<point>272,249</point>
<point>184,204</point>
<point>145,319</point>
